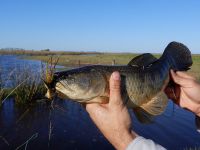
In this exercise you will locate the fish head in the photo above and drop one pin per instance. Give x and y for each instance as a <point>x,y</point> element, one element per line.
<point>81,86</point>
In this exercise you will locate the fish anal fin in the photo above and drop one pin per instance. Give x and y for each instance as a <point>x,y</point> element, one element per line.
<point>156,105</point>
<point>143,116</point>
<point>143,60</point>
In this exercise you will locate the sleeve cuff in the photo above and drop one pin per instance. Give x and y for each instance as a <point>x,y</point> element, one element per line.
<point>143,144</point>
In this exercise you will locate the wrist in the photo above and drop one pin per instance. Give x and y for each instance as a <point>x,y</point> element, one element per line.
<point>124,140</point>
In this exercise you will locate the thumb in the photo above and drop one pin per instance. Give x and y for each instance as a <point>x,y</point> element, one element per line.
<point>184,82</point>
<point>93,108</point>
<point>115,91</point>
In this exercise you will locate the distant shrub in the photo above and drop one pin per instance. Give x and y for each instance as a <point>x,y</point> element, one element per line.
<point>45,50</point>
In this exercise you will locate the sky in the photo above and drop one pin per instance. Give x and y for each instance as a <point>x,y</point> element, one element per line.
<point>99,25</point>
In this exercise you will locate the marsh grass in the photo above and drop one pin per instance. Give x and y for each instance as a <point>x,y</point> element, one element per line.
<point>49,69</point>
<point>28,86</point>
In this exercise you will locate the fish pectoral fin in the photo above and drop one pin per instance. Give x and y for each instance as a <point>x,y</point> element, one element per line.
<point>156,105</point>
<point>142,60</point>
<point>99,99</point>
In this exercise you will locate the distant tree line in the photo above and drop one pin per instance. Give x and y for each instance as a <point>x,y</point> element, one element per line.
<point>44,52</point>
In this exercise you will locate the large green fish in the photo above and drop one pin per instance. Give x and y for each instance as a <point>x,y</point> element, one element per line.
<point>143,81</point>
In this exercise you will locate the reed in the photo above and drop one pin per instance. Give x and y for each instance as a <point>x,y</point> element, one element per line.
<point>5,91</point>
<point>28,86</point>
<point>49,70</point>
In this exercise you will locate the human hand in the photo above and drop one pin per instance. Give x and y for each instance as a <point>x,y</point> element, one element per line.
<point>186,92</point>
<point>113,118</point>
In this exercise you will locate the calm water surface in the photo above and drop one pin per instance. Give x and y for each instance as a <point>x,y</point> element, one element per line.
<point>67,125</point>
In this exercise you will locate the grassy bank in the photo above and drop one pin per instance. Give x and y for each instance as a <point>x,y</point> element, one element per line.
<point>102,58</point>
<point>108,59</point>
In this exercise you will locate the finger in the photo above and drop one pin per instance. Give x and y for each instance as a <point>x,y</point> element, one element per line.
<point>178,79</point>
<point>115,92</point>
<point>184,75</point>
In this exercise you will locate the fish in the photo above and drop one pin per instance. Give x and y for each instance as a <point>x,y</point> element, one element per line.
<point>143,81</point>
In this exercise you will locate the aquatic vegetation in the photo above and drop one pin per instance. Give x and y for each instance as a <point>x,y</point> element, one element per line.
<point>25,144</point>
<point>49,70</point>
<point>5,91</point>
<point>48,73</point>
<point>28,86</point>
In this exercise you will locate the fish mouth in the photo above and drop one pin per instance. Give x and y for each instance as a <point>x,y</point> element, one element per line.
<point>50,94</point>
<point>47,96</point>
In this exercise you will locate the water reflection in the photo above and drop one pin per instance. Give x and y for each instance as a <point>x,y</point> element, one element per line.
<point>71,127</point>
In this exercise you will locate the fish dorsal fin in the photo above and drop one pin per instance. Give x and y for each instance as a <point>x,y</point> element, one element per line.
<point>142,60</point>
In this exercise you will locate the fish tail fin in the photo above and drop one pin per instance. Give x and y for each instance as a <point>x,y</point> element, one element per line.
<point>178,56</point>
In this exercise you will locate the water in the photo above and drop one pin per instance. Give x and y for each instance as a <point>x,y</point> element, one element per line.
<point>9,65</point>
<point>68,126</point>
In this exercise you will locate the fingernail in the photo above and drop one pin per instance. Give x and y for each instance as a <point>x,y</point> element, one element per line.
<point>116,75</point>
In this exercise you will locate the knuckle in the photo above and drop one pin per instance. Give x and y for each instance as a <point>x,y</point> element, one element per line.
<point>115,86</point>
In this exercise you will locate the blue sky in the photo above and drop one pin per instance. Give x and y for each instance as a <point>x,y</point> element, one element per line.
<point>99,25</point>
